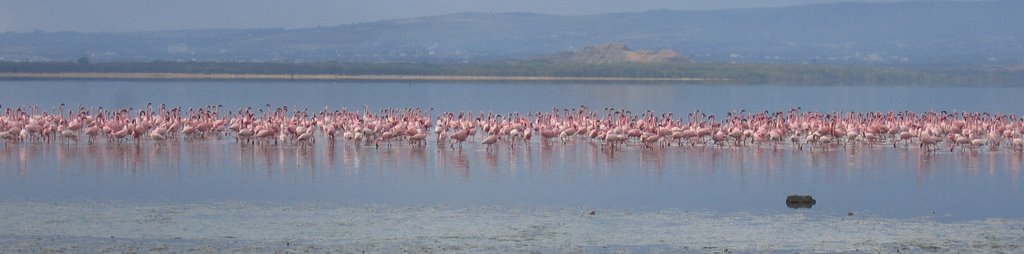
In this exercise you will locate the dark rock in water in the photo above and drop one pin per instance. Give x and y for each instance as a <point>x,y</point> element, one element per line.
<point>797,201</point>
<point>593,212</point>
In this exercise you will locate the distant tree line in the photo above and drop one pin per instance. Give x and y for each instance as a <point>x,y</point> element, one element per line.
<point>721,72</point>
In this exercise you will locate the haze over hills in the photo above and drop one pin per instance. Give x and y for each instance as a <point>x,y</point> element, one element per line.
<point>908,33</point>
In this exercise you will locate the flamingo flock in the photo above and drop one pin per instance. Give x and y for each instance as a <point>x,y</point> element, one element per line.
<point>612,128</point>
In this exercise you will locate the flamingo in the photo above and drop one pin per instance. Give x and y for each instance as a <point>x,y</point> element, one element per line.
<point>490,140</point>
<point>460,136</point>
<point>616,127</point>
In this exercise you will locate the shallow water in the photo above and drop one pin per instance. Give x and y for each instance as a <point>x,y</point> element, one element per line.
<point>885,181</point>
<point>317,228</point>
<point>512,96</point>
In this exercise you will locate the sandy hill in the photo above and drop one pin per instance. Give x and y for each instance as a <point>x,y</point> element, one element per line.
<point>614,53</point>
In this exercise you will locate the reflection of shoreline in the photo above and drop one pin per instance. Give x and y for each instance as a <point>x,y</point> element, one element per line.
<point>226,76</point>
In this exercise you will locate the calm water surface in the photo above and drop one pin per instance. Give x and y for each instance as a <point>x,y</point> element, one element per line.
<point>897,182</point>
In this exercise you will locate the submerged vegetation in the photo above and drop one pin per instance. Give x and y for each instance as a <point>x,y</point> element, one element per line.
<point>708,72</point>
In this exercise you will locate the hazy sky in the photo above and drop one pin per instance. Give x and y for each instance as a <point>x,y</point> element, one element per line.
<point>136,15</point>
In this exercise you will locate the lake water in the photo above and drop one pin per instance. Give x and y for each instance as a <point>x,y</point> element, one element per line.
<point>884,181</point>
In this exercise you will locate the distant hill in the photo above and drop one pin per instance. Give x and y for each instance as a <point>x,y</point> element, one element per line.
<point>905,33</point>
<point>614,53</point>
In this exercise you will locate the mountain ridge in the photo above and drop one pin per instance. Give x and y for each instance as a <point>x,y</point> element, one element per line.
<point>869,33</point>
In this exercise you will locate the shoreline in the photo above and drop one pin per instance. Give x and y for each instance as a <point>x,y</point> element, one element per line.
<point>320,77</point>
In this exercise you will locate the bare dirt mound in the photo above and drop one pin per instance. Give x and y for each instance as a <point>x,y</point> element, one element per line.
<point>615,53</point>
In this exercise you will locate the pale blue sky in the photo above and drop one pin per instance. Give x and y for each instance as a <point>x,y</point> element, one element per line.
<point>137,15</point>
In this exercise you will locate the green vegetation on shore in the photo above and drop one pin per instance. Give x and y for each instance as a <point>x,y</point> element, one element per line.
<point>701,72</point>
